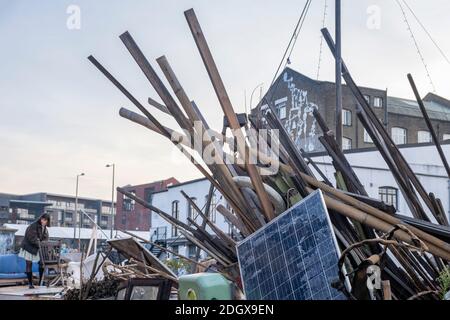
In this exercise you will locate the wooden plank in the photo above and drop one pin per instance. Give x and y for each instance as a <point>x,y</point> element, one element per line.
<point>155,81</point>
<point>388,142</point>
<point>387,294</point>
<point>143,121</point>
<point>161,213</point>
<point>199,129</point>
<point>227,108</point>
<point>158,106</point>
<point>429,124</point>
<point>164,248</point>
<point>233,220</point>
<point>230,242</point>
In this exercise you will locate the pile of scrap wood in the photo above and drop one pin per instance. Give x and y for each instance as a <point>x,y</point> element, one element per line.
<point>98,289</point>
<point>261,173</point>
<point>135,262</point>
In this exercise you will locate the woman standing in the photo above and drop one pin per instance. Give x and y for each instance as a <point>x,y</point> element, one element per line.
<point>35,233</point>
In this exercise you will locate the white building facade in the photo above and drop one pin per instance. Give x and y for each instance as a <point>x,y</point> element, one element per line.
<point>367,163</point>
<point>175,204</point>
<point>379,182</point>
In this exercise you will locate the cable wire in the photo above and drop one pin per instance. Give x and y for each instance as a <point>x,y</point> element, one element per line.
<point>416,45</point>
<point>426,31</point>
<point>293,38</point>
<point>321,39</point>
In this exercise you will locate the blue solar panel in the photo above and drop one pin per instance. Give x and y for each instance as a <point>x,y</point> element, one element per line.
<point>294,257</point>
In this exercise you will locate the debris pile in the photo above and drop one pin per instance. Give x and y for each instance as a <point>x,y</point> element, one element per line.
<point>261,173</point>
<point>98,289</point>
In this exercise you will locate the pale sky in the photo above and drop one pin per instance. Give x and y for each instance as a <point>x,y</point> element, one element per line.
<point>59,115</point>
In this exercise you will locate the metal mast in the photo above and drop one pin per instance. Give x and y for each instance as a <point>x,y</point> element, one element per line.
<point>338,74</point>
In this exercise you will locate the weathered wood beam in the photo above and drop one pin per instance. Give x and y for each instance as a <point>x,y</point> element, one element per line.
<point>225,102</point>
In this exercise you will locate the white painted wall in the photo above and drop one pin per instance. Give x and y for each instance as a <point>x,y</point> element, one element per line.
<point>373,172</point>
<point>369,166</point>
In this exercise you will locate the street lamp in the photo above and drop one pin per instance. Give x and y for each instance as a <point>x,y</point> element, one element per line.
<point>251,96</point>
<point>76,213</point>
<point>112,196</point>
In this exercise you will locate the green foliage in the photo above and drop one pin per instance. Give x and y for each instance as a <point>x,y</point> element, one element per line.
<point>444,281</point>
<point>176,265</point>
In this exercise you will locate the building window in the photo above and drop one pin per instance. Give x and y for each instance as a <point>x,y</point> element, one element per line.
<point>128,204</point>
<point>176,215</point>
<point>399,135</point>
<point>378,102</point>
<point>281,110</point>
<point>423,137</point>
<point>212,209</point>
<point>191,210</point>
<point>446,136</point>
<point>367,138</point>
<point>175,249</point>
<point>389,195</point>
<point>104,220</point>
<point>346,143</point>
<point>346,117</point>
<point>280,107</point>
<point>367,98</point>
<point>192,251</point>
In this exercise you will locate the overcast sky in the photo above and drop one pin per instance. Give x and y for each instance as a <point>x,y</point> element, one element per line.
<point>59,115</point>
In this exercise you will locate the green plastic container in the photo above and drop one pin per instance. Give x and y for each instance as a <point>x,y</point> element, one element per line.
<point>204,286</point>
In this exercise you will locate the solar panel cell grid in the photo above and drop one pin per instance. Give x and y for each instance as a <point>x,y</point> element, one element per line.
<point>294,257</point>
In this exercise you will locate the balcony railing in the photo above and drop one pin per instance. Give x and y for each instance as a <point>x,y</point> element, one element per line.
<point>26,216</point>
<point>158,233</point>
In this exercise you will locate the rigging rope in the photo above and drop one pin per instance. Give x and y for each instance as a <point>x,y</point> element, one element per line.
<point>426,31</point>
<point>321,39</point>
<point>416,45</point>
<point>293,39</point>
<point>298,32</point>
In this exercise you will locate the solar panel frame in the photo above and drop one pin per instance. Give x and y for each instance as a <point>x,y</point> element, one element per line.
<point>280,260</point>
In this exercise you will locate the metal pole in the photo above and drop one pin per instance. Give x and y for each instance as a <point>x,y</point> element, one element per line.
<point>338,75</point>
<point>112,201</point>
<point>75,220</point>
<point>251,96</point>
<point>80,225</point>
<point>112,196</point>
<point>76,215</point>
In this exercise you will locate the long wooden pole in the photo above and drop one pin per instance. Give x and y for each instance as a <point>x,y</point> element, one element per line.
<point>227,108</point>
<point>429,124</point>
<point>164,249</point>
<point>375,212</point>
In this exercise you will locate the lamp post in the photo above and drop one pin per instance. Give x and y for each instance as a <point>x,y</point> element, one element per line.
<point>112,196</point>
<point>76,212</point>
<point>251,96</point>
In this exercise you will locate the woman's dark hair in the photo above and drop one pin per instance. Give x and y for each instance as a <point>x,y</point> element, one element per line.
<point>45,216</point>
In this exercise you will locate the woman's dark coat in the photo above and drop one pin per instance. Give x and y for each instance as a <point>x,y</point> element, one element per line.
<point>34,234</point>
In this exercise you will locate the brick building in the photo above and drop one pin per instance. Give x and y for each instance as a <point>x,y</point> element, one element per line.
<point>294,96</point>
<point>133,216</point>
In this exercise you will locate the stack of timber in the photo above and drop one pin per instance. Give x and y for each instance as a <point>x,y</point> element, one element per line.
<point>410,252</point>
